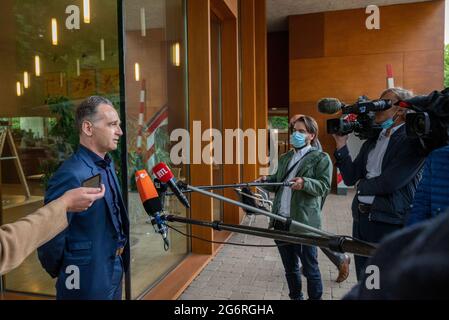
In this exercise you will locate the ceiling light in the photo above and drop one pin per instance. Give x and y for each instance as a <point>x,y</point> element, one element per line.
<point>86,10</point>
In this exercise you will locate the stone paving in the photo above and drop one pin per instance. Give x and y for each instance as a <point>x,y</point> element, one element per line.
<point>248,273</point>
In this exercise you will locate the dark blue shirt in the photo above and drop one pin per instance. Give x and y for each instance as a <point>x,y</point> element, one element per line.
<point>112,194</point>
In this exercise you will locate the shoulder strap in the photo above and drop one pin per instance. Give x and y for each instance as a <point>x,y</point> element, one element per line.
<point>294,166</point>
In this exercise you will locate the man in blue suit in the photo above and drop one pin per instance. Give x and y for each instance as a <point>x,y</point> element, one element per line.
<point>91,255</point>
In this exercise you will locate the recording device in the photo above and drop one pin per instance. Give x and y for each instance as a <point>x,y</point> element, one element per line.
<point>164,174</point>
<point>359,117</point>
<point>151,203</point>
<point>92,182</point>
<point>430,123</point>
<point>313,236</point>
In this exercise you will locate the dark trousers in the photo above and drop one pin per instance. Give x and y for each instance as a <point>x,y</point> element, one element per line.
<point>116,290</point>
<point>370,231</point>
<point>290,255</point>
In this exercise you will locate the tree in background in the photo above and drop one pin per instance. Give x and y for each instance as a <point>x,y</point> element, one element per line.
<point>278,122</point>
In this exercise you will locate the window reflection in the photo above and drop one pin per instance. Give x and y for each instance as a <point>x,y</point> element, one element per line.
<point>156,105</point>
<point>49,62</point>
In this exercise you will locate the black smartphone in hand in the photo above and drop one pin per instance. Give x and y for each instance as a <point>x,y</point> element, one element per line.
<point>92,182</point>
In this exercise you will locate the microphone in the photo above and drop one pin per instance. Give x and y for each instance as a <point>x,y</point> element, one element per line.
<point>164,174</point>
<point>151,203</point>
<point>329,105</point>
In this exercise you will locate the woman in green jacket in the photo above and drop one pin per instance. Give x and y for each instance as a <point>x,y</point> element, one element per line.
<point>311,171</point>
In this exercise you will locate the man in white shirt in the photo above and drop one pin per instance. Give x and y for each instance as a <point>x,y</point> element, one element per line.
<point>386,172</point>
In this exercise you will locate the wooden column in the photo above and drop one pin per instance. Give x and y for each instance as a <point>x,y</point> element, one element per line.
<point>248,50</point>
<point>227,10</point>
<point>261,69</point>
<point>200,109</point>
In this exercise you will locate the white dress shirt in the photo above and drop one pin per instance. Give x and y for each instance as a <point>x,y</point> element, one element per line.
<point>375,159</point>
<point>286,197</point>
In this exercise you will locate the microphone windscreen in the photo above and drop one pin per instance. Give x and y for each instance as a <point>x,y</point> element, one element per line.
<point>329,105</point>
<point>148,193</point>
<point>162,172</point>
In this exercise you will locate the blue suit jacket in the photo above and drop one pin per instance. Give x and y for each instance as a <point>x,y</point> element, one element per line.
<point>90,240</point>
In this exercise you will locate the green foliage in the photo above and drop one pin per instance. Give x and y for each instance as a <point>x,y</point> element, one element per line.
<point>64,126</point>
<point>446,66</point>
<point>278,122</point>
<point>63,131</point>
<point>162,144</point>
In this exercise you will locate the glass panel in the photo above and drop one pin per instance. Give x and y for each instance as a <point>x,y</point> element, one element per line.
<point>215,35</point>
<point>50,61</point>
<point>280,124</point>
<point>156,67</point>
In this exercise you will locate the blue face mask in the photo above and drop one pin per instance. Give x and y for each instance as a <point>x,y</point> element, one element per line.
<point>387,124</point>
<point>298,139</point>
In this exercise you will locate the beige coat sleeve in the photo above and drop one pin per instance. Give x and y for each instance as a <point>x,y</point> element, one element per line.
<point>19,239</point>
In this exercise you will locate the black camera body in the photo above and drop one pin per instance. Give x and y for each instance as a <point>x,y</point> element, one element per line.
<point>430,123</point>
<point>360,118</point>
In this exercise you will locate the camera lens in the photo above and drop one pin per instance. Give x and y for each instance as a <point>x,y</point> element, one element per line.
<point>419,124</point>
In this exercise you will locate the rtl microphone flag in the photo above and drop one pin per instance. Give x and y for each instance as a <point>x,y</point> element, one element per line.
<point>164,174</point>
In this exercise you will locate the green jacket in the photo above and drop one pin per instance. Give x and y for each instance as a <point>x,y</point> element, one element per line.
<point>316,170</point>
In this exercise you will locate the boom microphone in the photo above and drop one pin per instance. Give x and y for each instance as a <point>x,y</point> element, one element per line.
<point>329,105</point>
<point>151,203</point>
<point>164,174</point>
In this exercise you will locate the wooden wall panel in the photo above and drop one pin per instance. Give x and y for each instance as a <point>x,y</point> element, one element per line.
<point>248,81</point>
<point>231,114</point>
<point>405,27</point>
<point>343,77</point>
<point>224,9</point>
<point>261,73</point>
<point>200,110</point>
<point>309,43</point>
<point>333,55</point>
<point>423,71</point>
<point>233,6</point>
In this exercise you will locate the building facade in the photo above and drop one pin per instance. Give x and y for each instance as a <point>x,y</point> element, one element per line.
<point>165,65</point>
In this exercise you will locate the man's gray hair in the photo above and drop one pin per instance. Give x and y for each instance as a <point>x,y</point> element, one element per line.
<point>401,94</point>
<point>88,109</point>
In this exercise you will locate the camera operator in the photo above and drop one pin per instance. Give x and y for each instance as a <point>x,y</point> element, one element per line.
<point>386,171</point>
